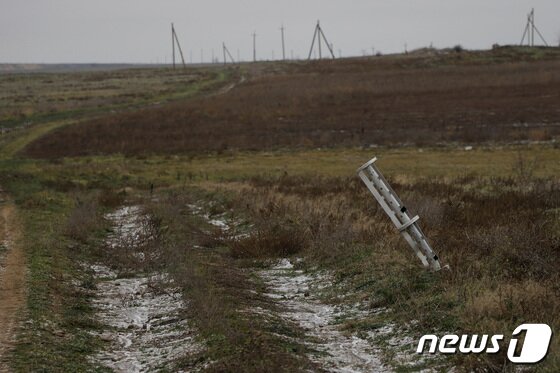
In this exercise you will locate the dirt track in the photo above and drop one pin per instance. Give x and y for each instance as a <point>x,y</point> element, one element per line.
<point>12,279</point>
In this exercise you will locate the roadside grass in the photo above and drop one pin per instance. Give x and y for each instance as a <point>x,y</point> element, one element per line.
<point>55,335</point>
<point>63,229</point>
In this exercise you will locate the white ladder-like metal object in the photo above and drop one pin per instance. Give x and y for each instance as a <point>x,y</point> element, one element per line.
<point>397,212</point>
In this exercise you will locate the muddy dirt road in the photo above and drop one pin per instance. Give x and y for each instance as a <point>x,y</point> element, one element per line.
<point>12,277</point>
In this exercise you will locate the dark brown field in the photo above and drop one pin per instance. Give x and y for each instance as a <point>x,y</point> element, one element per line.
<point>467,97</point>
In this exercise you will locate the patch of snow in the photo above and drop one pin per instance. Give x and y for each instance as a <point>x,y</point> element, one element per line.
<point>129,227</point>
<point>102,272</point>
<point>145,325</point>
<point>142,316</point>
<point>220,223</point>
<point>196,209</point>
<point>284,264</point>
<point>338,352</point>
<point>403,347</point>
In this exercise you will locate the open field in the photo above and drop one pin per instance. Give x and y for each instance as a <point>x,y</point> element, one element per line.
<point>27,99</point>
<point>237,212</point>
<point>422,101</point>
<point>35,104</point>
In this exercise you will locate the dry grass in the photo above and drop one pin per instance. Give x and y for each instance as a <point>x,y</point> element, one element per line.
<point>269,242</point>
<point>500,236</point>
<point>220,295</point>
<point>83,219</point>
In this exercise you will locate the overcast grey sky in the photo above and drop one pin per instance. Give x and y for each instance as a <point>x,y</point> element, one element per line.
<point>50,31</point>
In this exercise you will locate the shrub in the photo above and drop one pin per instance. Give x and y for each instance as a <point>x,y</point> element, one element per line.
<point>83,220</point>
<point>271,241</point>
<point>458,48</point>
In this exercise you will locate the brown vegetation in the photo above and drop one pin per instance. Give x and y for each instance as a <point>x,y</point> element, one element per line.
<point>220,296</point>
<point>273,240</point>
<point>388,101</point>
<point>500,237</point>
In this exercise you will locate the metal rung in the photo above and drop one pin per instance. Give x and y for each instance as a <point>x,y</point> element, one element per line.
<point>406,225</point>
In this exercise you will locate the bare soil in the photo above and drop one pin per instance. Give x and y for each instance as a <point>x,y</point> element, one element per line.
<point>12,279</point>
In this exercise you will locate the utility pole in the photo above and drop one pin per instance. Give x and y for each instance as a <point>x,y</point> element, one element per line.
<point>283,45</point>
<point>530,29</point>
<point>173,44</point>
<point>254,47</point>
<point>319,34</point>
<point>533,27</point>
<point>319,40</point>
<point>226,53</point>
<point>175,39</point>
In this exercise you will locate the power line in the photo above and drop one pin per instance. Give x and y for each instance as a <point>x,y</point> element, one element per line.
<point>254,47</point>
<point>283,45</point>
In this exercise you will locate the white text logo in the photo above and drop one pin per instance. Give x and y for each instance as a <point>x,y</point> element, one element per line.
<point>534,347</point>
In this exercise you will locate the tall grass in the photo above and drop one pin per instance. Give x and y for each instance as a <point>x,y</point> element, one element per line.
<point>500,237</point>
